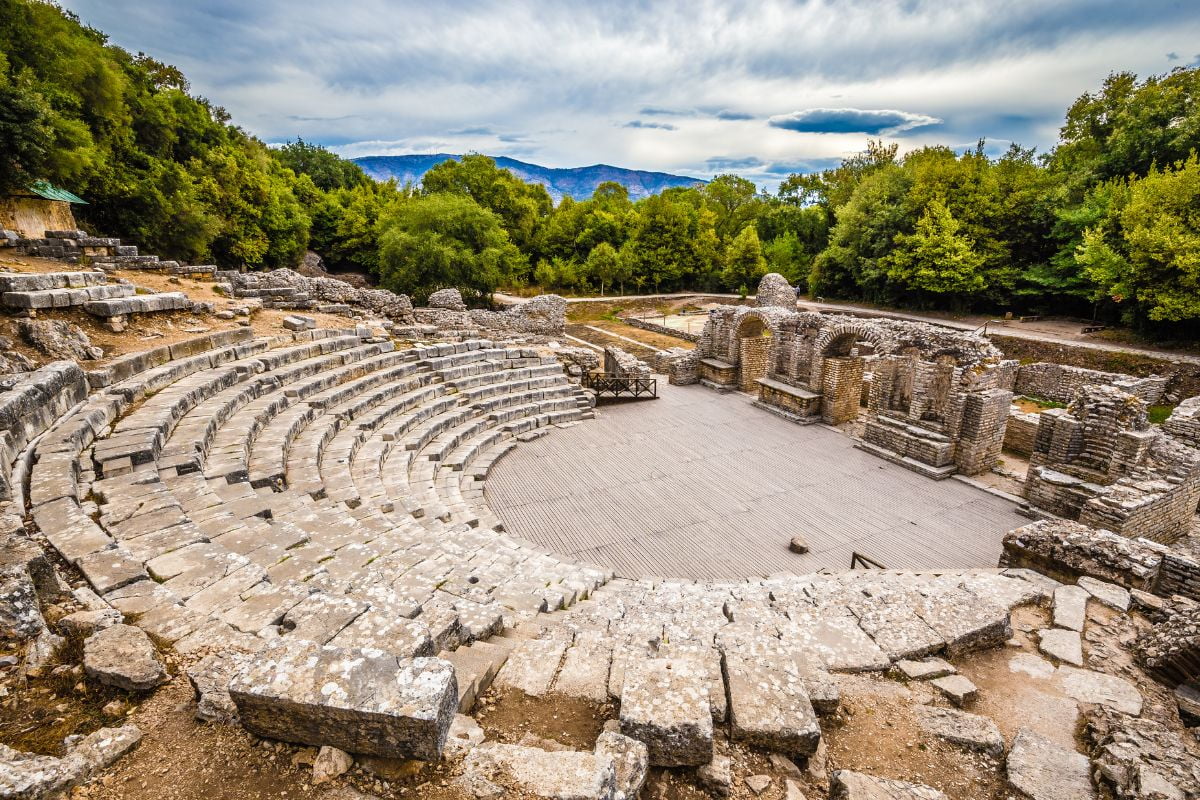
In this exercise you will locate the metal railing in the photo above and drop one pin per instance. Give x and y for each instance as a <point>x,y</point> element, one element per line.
<point>607,385</point>
<point>859,561</point>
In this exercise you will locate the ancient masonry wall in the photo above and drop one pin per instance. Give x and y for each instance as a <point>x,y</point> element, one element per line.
<point>646,325</point>
<point>981,430</point>
<point>754,354</point>
<point>842,385</point>
<point>1021,432</point>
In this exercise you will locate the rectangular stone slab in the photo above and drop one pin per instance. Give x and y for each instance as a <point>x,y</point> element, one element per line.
<point>360,701</point>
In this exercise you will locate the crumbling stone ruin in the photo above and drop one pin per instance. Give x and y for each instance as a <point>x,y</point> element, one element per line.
<point>1061,383</point>
<point>938,400</point>
<point>620,363</point>
<point>774,291</point>
<point>1100,462</point>
<point>297,524</point>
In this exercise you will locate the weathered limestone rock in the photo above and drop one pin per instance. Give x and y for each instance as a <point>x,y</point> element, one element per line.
<point>1087,686</point>
<point>27,776</point>
<point>717,775</point>
<point>330,763</point>
<point>1141,759</point>
<point>1045,771</point>
<point>20,614</point>
<point>210,678</point>
<point>493,769</point>
<point>123,656</point>
<point>85,623</point>
<point>925,670</point>
<point>298,322</point>
<point>1109,594</point>
<point>1062,645</point>
<point>58,339</point>
<point>664,703</point>
<point>631,762</point>
<point>465,735</point>
<point>532,666</point>
<point>1070,607</point>
<point>758,783</point>
<point>770,707</point>
<point>849,785</point>
<point>42,651</point>
<point>360,701</point>
<point>971,731</point>
<point>798,544</point>
<point>957,688</point>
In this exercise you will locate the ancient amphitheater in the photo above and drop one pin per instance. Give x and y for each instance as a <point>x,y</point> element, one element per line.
<point>374,539</point>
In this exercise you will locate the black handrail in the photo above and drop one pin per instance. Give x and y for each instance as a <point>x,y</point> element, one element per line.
<point>603,383</point>
<point>859,561</point>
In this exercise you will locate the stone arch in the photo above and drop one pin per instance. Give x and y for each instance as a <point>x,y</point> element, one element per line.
<point>754,334</point>
<point>835,336</point>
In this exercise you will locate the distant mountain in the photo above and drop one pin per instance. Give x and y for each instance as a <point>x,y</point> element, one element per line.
<point>576,182</point>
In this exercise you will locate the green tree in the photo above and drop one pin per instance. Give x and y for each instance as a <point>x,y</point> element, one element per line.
<point>520,206</point>
<point>744,261</point>
<point>936,258</point>
<point>327,171</point>
<point>1146,254</point>
<point>440,240</point>
<point>603,264</point>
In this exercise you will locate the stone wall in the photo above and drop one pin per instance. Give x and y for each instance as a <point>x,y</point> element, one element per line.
<point>981,430</point>
<point>753,356</point>
<point>1184,422</point>
<point>840,390</point>
<point>1100,462</point>
<point>1183,377</point>
<point>1021,431</point>
<point>1067,551</point>
<point>684,369</point>
<point>774,290</point>
<point>654,327</point>
<point>619,362</point>
<point>1061,382</point>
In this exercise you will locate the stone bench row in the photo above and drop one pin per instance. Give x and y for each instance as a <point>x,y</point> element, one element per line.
<point>65,298</point>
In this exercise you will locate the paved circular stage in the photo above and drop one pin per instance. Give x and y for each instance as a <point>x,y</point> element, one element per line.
<point>699,484</point>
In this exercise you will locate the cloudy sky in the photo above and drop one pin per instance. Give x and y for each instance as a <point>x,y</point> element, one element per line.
<point>694,87</point>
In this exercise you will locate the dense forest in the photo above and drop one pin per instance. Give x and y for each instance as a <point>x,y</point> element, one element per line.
<point>1107,223</point>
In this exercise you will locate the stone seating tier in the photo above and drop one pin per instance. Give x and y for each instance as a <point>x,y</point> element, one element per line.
<point>320,496</point>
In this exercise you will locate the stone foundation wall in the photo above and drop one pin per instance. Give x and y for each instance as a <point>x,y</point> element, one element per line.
<point>1021,431</point>
<point>654,327</point>
<point>1183,377</point>
<point>1067,551</point>
<point>909,441</point>
<point>1178,575</point>
<point>1061,382</point>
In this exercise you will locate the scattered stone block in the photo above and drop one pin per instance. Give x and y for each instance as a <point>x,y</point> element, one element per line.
<point>631,762</point>
<point>758,783</point>
<point>465,735</point>
<point>123,656</point>
<point>717,775</point>
<point>1070,607</point>
<point>85,623</point>
<point>971,731</point>
<point>849,785</point>
<point>664,703</point>
<point>360,701</point>
<point>1045,771</point>
<point>798,544</point>
<point>29,775</point>
<point>330,763</point>
<point>1062,645</point>
<point>531,666</point>
<point>495,770</point>
<point>925,670</point>
<point>1109,594</point>
<point>295,322</point>
<point>1087,686</point>
<point>957,688</point>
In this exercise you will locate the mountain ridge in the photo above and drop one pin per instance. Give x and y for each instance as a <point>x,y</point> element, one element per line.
<point>576,182</point>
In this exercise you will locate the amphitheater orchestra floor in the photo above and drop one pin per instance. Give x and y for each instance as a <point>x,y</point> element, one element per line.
<point>698,484</point>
